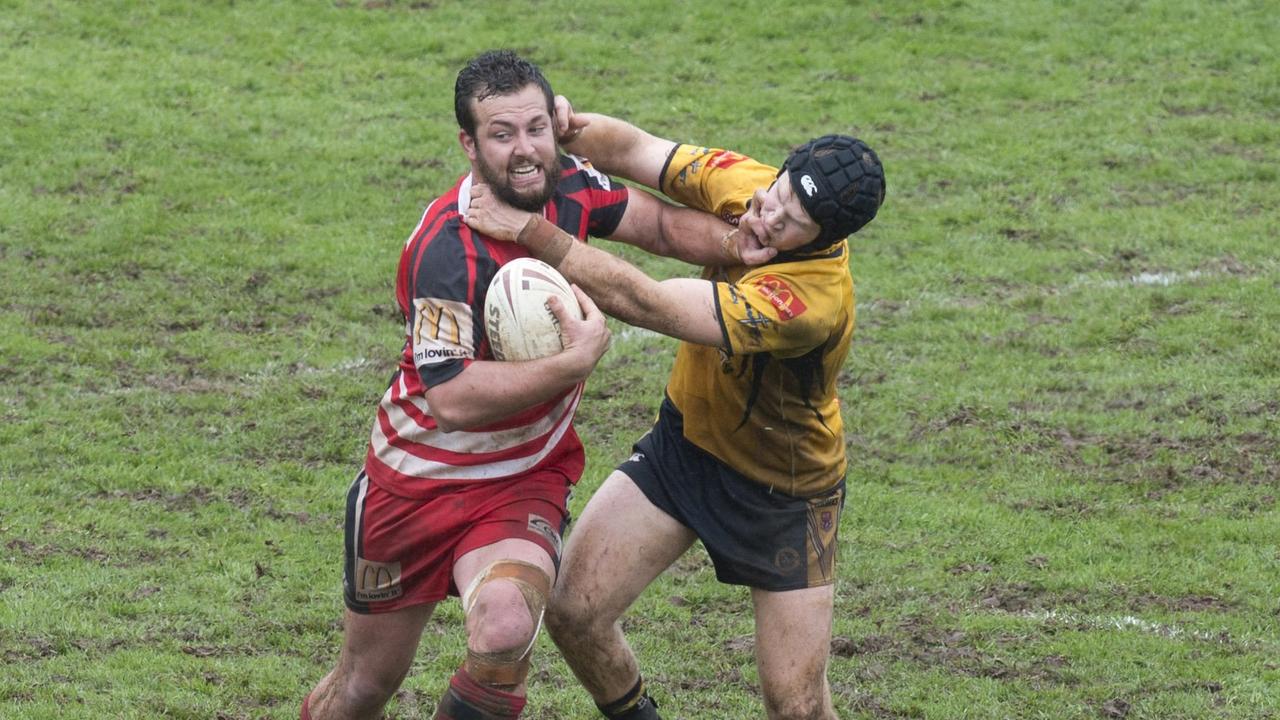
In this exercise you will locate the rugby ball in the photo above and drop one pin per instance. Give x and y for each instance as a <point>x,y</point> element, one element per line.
<point>517,319</point>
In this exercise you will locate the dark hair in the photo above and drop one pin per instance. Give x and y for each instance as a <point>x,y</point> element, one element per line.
<point>496,72</point>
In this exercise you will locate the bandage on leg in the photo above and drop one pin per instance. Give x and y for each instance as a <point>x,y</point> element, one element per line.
<point>508,668</point>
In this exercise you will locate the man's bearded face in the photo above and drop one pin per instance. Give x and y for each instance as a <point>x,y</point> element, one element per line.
<point>515,148</point>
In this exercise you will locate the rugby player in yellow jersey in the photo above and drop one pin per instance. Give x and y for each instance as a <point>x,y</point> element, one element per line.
<point>747,454</point>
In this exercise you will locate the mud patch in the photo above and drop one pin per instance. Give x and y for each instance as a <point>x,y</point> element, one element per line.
<point>917,640</point>
<point>1244,459</point>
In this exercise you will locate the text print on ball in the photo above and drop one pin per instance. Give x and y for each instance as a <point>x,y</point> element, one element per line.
<point>518,321</point>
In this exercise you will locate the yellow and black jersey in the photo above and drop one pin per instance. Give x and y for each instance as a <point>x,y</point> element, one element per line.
<point>767,406</point>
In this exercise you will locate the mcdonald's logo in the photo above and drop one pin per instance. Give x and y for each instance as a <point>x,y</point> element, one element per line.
<point>441,330</point>
<point>781,296</point>
<point>436,322</point>
<point>377,581</point>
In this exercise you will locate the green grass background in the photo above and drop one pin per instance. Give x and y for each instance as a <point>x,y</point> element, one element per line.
<point>1062,401</point>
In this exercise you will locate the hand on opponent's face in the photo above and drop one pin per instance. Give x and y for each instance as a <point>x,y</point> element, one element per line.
<point>490,216</point>
<point>748,247</point>
<point>568,125</point>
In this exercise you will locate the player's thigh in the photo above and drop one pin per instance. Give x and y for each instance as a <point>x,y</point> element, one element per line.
<point>616,548</point>
<point>379,648</point>
<point>793,639</point>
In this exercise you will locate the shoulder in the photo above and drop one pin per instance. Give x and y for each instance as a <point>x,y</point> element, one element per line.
<point>441,218</point>
<point>714,179</point>
<point>809,293</point>
<point>442,247</point>
<point>577,175</point>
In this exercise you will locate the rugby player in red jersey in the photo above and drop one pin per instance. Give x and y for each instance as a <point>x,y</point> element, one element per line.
<point>465,485</point>
<point>748,453</point>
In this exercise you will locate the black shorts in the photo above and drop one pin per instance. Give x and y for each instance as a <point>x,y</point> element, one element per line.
<point>756,536</point>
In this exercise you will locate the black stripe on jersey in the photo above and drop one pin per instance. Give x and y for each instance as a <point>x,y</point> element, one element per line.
<point>662,176</point>
<point>484,269</point>
<point>570,202</point>
<point>442,269</point>
<point>806,369</point>
<point>834,251</point>
<point>428,229</point>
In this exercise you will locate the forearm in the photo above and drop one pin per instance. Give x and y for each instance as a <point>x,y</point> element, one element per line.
<point>488,391</point>
<point>679,308</point>
<point>617,287</point>
<point>662,228</point>
<point>696,237</point>
<point>617,147</point>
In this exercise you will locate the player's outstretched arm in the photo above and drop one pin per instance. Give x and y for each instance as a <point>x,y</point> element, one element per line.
<point>662,228</point>
<point>616,147</point>
<point>682,308</point>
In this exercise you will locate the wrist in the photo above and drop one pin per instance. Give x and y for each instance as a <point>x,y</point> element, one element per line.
<point>729,246</point>
<point>544,240</point>
<point>569,137</point>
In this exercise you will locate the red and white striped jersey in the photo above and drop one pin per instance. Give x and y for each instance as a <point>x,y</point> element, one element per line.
<point>445,269</point>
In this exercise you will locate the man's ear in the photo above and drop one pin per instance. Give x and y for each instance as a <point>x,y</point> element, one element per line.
<point>468,144</point>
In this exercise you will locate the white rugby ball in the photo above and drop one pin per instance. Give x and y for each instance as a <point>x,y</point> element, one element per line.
<point>517,319</point>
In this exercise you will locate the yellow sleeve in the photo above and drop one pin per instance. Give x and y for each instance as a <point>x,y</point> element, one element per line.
<point>714,180</point>
<point>772,310</point>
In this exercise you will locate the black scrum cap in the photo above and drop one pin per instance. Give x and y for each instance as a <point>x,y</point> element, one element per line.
<point>840,183</point>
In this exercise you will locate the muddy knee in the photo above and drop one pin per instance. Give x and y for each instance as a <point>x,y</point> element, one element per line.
<point>503,643</point>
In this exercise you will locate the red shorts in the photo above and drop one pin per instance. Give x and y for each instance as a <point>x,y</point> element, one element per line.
<point>400,551</point>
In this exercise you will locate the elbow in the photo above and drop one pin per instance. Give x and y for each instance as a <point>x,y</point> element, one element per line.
<point>449,418</point>
<point>446,426</point>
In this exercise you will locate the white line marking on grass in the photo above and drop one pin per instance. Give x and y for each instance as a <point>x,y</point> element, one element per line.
<point>1129,622</point>
<point>273,370</point>
<point>1163,279</point>
<point>1118,622</point>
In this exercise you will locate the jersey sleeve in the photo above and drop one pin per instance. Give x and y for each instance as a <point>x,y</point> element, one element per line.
<point>445,316</point>
<point>714,180</point>
<point>603,198</point>
<point>769,310</point>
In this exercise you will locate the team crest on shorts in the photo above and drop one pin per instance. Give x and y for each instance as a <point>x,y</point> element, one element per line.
<point>543,527</point>
<point>375,581</point>
<point>786,560</point>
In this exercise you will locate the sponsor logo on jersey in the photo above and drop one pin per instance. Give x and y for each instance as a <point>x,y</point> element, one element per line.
<point>377,581</point>
<point>780,295</point>
<point>724,159</point>
<point>441,331</point>
<point>755,322</point>
<point>585,166</point>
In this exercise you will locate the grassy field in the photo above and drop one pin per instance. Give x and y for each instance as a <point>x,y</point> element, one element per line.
<point>1062,402</point>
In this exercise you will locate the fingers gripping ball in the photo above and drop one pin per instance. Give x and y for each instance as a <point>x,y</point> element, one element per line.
<point>517,319</point>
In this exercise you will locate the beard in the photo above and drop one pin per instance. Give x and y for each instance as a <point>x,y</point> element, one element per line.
<point>530,200</point>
